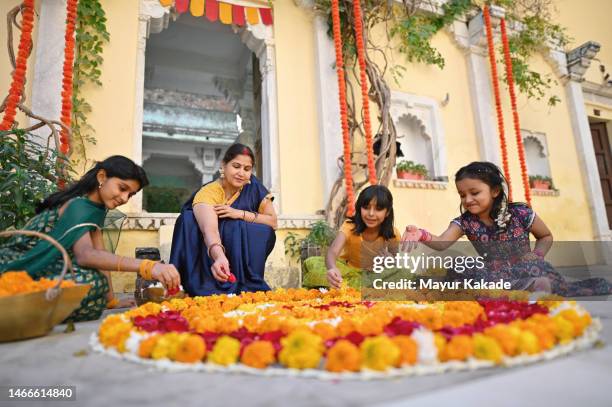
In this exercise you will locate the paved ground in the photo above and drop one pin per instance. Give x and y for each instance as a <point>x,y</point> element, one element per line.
<point>582,379</point>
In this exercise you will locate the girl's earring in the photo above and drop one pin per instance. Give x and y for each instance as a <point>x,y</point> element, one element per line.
<point>221,173</point>
<point>100,185</point>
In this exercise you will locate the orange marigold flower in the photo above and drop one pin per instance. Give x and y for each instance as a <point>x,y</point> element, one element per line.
<point>145,348</point>
<point>371,326</point>
<point>580,322</point>
<point>191,349</point>
<point>325,331</point>
<point>346,326</point>
<point>258,354</point>
<point>343,356</point>
<point>460,347</point>
<point>408,349</point>
<point>506,336</point>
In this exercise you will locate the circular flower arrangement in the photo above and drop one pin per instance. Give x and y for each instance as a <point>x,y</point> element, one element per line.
<point>331,334</point>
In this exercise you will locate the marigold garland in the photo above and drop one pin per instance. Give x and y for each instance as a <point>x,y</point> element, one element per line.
<point>66,112</point>
<point>364,89</point>
<point>498,106</point>
<point>19,74</point>
<point>515,115</point>
<point>348,171</point>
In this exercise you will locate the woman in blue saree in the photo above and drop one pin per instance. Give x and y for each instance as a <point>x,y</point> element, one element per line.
<point>225,231</point>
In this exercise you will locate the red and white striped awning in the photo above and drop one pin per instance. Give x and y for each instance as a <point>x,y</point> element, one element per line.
<point>239,12</point>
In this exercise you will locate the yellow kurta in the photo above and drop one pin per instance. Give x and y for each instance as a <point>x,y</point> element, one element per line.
<point>359,252</point>
<point>213,194</point>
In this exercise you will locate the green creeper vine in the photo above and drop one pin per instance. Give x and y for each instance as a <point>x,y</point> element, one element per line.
<point>91,35</point>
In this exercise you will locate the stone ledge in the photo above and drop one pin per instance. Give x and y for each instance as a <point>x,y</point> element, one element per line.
<point>544,192</point>
<point>420,184</point>
<point>153,221</point>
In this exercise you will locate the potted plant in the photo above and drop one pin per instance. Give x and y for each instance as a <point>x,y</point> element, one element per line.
<point>540,182</point>
<point>407,169</point>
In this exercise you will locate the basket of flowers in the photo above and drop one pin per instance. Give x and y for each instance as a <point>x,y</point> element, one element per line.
<point>32,308</point>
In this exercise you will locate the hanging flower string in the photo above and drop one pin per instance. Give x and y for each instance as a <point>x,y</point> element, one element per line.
<point>18,82</point>
<point>364,89</point>
<point>348,173</point>
<point>66,114</point>
<point>498,107</point>
<point>515,116</point>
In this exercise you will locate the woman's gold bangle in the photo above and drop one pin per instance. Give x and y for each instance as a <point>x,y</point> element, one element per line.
<point>213,245</point>
<point>145,269</point>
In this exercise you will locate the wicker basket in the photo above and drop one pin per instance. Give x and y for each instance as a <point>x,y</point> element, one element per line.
<point>35,314</point>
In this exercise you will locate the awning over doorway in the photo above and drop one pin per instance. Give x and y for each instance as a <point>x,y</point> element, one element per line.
<point>239,12</point>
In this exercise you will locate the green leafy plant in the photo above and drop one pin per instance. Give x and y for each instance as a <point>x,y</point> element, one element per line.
<point>321,235</point>
<point>164,199</point>
<point>411,166</point>
<point>28,174</point>
<point>91,35</point>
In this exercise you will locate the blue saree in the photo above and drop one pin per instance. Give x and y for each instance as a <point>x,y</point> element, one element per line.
<point>247,247</point>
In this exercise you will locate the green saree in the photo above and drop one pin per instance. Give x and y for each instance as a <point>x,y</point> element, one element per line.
<point>40,259</point>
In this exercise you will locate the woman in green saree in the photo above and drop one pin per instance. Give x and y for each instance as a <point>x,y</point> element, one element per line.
<point>74,217</point>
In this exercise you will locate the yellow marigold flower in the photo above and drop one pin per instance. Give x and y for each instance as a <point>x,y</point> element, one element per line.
<point>460,347</point>
<point>408,349</point>
<point>487,348</point>
<point>528,343</point>
<point>225,352</point>
<point>546,339</point>
<point>440,342</point>
<point>301,350</point>
<point>150,308</point>
<point>580,322</point>
<point>191,349</point>
<point>371,326</point>
<point>324,330</point>
<point>145,348</point>
<point>506,336</point>
<point>114,331</point>
<point>258,354</point>
<point>251,322</point>
<point>167,345</point>
<point>379,353</point>
<point>565,329</point>
<point>344,356</point>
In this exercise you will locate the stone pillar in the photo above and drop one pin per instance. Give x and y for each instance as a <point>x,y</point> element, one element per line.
<point>578,60</point>
<point>49,54</point>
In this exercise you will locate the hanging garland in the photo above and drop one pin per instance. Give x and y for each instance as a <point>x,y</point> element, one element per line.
<point>498,107</point>
<point>364,90</point>
<point>66,114</point>
<point>515,116</point>
<point>18,82</point>
<point>348,171</point>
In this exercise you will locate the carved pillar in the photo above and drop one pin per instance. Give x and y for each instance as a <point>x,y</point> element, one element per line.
<point>578,60</point>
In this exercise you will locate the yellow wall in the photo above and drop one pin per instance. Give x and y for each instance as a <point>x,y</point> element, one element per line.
<point>113,103</point>
<point>297,114</point>
<point>589,20</point>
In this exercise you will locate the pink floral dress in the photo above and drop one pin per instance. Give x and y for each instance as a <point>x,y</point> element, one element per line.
<point>504,249</point>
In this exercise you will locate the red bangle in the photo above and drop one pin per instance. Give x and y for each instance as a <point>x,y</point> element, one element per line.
<point>425,236</point>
